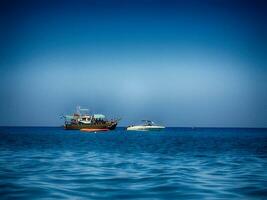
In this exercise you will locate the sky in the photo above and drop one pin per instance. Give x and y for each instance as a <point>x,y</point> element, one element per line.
<point>178,63</point>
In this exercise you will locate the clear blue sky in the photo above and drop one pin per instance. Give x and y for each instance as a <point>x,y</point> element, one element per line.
<point>179,63</point>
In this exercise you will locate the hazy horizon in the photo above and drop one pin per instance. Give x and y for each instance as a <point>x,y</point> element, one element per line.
<point>178,63</point>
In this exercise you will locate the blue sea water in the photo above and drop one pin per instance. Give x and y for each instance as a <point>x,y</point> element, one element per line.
<point>177,163</point>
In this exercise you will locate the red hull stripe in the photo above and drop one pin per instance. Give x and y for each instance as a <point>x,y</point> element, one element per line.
<point>94,130</point>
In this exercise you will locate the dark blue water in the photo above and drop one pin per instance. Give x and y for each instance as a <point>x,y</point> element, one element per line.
<point>50,163</point>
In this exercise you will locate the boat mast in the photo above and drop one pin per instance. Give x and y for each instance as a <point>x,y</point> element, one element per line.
<point>78,110</point>
<point>82,111</point>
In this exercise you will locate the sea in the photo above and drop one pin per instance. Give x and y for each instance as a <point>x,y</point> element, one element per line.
<point>177,163</point>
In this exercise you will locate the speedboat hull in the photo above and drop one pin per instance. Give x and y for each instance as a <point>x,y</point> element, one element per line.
<point>145,128</point>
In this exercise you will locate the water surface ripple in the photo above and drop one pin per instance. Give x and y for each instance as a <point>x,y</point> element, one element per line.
<point>50,163</point>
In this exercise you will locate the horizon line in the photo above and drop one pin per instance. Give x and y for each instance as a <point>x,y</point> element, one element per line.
<point>187,127</point>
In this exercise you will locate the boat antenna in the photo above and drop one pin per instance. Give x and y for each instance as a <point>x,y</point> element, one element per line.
<point>78,110</point>
<point>81,111</point>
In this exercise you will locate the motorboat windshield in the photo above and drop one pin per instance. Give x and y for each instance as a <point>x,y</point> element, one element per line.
<point>148,123</point>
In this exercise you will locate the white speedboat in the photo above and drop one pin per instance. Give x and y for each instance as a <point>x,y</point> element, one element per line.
<point>147,126</point>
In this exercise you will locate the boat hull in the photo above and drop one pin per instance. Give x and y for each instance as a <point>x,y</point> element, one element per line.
<point>110,126</point>
<point>145,128</point>
<point>94,130</point>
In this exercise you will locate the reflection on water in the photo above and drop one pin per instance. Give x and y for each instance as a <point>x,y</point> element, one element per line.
<point>171,164</point>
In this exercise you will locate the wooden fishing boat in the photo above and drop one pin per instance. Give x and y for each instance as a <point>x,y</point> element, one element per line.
<point>82,120</point>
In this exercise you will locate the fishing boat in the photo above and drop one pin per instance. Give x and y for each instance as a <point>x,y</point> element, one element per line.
<point>146,126</point>
<point>81,119</point>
